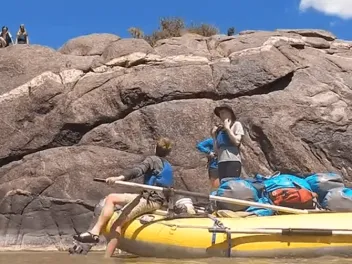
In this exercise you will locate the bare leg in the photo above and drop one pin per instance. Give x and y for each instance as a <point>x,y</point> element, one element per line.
<point>132,210</point>
<point>113,242</point>
<point>213,179</point>
<point>111,245</point>
<point>214,184</point>
<point>105,215</point>
<point>107,212</point>
<point>110,248</point>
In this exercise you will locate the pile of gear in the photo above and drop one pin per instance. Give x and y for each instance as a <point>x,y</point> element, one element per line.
<point>316,191</point>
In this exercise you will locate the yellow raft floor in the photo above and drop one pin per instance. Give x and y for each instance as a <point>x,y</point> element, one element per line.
<point>190,237</point>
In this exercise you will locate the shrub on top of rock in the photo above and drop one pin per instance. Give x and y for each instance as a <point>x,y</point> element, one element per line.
<point>173,27</point>
<point>205,30</point>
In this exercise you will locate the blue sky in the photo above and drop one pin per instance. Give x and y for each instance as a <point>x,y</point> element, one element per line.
<point>52,23</point>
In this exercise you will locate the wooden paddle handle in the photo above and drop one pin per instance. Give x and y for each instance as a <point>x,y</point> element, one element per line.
<point>99,180</point>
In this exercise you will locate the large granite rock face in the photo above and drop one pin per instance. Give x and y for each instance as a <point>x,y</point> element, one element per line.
<point>92,110</point>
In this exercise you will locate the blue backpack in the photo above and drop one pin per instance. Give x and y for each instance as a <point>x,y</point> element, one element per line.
<point>288,190</point>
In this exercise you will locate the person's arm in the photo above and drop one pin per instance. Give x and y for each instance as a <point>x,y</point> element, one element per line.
<point>205,146</point>
<point>27,39</point>
<point>10,38</point>
<point>235,133</point>
<point>139,170</point>
<point>213,134</point>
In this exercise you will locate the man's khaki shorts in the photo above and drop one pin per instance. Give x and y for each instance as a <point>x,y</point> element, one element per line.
<point>136,207</point>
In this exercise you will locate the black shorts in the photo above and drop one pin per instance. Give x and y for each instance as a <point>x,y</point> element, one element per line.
<point>229,169</point>
<point>213,173</point>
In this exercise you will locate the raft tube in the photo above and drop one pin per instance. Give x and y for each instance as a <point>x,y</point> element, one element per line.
<point>152,235</point>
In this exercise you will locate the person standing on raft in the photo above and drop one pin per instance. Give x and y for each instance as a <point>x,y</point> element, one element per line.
<point>207,146</point>
<point>227,141</point>
<point>157,171</point>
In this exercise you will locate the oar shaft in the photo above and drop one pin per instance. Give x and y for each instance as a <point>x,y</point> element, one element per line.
<point>285,231</point>
<point>211,197</point>
<point>250,203</point>
<point>156,188</point>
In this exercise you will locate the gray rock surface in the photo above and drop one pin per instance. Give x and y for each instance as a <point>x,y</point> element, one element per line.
<point>91,110</point>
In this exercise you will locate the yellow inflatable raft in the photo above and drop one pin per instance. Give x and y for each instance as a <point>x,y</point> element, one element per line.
<point>306,235</point>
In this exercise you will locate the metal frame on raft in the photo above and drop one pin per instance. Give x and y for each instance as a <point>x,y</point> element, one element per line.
<point>286,231</point>
<point>278,231</point>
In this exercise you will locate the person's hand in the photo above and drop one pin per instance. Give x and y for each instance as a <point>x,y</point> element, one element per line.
<point>211,155</point>
<point>227,124</point>
<point>112,180</point>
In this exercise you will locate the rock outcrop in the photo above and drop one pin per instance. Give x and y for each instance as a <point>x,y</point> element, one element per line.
<point>96,106</point>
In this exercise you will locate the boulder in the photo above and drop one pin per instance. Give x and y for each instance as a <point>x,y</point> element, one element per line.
<point>89,45</point>
<point>188,44</point>
<point>21,63</point>
<point>319,33</point>
<point>125,47</point>
<point>66,120</point>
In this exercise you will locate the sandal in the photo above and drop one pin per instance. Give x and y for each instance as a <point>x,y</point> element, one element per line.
<point>86,237</point>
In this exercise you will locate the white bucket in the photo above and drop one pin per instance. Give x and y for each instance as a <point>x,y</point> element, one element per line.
<point>187,203</point>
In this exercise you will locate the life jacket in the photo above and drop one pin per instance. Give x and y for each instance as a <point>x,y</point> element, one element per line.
<point>164,179</point>
<point>290,191</point>
<point>223,139</point>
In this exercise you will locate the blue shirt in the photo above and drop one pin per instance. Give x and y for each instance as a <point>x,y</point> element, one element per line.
<point>207,146</point>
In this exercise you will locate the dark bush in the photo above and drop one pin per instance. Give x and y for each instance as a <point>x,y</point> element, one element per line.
<point>203,30</point>
<point>231,31</point>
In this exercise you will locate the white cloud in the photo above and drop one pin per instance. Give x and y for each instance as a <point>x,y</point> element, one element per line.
<point>340,8</point>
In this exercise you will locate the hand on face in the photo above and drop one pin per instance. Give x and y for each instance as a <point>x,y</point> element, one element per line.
<point>227,124</point>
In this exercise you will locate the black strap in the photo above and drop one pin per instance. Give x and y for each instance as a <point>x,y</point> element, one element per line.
<point>219,225</point>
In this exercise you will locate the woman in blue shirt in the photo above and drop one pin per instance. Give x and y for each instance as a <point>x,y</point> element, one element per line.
<point>207,146</point>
